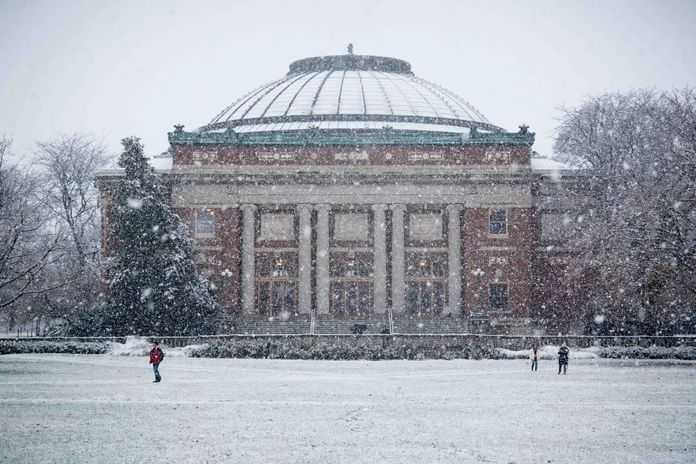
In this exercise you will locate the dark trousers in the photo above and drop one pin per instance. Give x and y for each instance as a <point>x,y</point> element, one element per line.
<point>535,364</point>
<point>563,366</point>
<point>155,368</point>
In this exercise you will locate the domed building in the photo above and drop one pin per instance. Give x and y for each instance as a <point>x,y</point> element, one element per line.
<point>352,193</point>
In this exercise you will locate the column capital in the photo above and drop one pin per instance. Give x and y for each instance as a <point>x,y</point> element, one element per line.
<point>323,207</point>
<point>248,207</point>
<point>379,207</point>
<point>456,207</point>
<point>303,207</point>
<point>398,207</point>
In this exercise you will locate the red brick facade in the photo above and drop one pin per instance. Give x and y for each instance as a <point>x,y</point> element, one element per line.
<point>535,281</point>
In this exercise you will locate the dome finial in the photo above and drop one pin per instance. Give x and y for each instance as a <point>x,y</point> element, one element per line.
<point>350,48</point>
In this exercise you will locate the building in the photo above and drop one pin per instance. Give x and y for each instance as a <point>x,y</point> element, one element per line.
<point>352,191</point>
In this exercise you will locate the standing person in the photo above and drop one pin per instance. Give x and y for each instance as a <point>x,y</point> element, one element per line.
<point>563,352</point>
<point>156,357</point>
<point>534,356</point>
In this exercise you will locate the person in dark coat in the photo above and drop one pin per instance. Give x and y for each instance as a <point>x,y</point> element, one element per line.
<point>156,357</point>
<point>563,353</point>
<point>534,356</point>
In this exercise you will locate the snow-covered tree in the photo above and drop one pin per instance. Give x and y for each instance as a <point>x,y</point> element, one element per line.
<point>29,242</point>
<point>153,282</point>
<point>639,150</point>
<point>68,167</point>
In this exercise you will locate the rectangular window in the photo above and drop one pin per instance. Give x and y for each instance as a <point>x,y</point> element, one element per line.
<point>277,227</point>
<point>425,227</point>
<point>204,224</point>
<point>497,224</point>
<point>499,296</point>
<point>351,227</point>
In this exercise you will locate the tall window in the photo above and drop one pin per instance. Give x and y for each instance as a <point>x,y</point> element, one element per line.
<point>426,280</point>
<point>497,223</point>
<point>204,224</point>
<point>276,283</point>
<point>499,296</point>
<point>351,283</point>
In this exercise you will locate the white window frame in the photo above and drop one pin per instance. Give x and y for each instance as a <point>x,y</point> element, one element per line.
<point>197,224</point>
<point>507,223</point>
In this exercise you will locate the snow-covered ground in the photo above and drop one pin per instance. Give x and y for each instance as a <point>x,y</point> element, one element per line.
<point>104,409</point>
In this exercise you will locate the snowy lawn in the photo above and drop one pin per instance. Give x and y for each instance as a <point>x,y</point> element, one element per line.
<point>104,409</point>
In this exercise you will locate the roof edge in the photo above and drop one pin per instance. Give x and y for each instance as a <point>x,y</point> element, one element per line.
<point>350,62</point>
<point>384,136</point>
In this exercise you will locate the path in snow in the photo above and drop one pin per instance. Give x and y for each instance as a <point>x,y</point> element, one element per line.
<point>104,409</point>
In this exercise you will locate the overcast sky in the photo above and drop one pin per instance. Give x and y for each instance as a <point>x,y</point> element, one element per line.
<point>117,68</point>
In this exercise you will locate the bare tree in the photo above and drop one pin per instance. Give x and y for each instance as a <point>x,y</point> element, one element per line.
<point>69,165</point>
<point>640,150</point>
<point>29,243</point>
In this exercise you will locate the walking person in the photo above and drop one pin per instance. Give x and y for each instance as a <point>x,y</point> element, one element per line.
<point>534,356</point>
<point>563,353</point>
<point>156,357</point>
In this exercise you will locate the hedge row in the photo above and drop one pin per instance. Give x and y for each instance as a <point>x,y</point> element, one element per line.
<point>651,352</point>
<point>22,347</point>
<point>322,350</point>
<point>331,351</point>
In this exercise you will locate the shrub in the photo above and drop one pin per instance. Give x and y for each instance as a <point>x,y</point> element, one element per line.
<point>42,346</point>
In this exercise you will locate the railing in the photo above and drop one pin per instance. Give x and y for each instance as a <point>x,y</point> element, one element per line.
<point>496,341</point>
<point>32,338</point>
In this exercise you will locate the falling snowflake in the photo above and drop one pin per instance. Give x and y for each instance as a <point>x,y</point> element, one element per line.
<point>145,294</point>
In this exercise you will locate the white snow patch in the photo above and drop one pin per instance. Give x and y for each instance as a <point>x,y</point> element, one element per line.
<point>258,411</point>
<point>134,346</point>
<point>140,346</point>
<point>145,294</point>
<point>550,352</point>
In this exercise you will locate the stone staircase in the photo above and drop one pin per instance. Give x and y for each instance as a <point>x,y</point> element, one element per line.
<point>350,326</point>
<point>257,326</point>
<point>431,326</point>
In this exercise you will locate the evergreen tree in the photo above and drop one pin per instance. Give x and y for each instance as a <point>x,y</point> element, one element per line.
<point>154,284</point>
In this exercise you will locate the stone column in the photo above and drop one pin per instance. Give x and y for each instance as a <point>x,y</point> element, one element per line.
<point>454,250</point>
<point>323,277</point>
<point>248,258</point>
<point>397,259</point>
<point>380,259</point>
<point>305,260</point>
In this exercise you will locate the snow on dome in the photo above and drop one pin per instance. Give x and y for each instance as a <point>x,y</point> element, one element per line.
<point>349,92</point>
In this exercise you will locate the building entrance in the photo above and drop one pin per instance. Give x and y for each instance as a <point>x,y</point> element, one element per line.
<point>351,285</point>
<point>277,286</point>
<point>426,283</point>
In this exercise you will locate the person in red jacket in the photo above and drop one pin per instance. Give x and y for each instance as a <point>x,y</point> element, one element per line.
<point>156,357</point>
